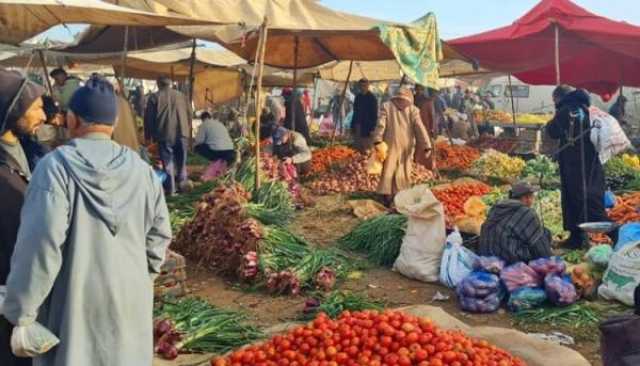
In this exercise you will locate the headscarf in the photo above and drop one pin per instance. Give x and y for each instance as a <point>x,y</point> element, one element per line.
<point>16,96</point>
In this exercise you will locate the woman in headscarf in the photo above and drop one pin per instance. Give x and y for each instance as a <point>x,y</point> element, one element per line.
<point>21,115</point>
<point>400,127</point>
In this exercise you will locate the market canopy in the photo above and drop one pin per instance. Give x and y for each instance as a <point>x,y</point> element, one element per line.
<point>23,19</point>
<point>594,52</point>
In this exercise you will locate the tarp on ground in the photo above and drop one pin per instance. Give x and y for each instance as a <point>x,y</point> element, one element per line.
<point>596,53</point>
<point>23,19</point>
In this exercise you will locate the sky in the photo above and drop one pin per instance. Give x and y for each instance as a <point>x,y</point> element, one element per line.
<point>455,18</point>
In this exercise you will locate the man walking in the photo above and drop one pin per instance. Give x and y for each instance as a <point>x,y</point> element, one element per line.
<point>20,116</point>
<point>365,116</point>
<point>167,121</point>
<point>93,234</point>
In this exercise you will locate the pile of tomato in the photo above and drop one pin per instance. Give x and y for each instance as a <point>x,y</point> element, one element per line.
<point>454,197</point>
<point>370,338</point>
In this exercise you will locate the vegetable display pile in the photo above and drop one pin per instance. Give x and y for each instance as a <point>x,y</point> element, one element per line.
<point>325,159</point>
<point>493,116</point>
<point>182,206</point>
<point>577,315</point>
<point>454,157</point>
<point>193,325</point>
<point>626,209</point>
<point>336,303</point>
<point>289,264</point>
<point>498,144</point>
<point>622,173</point>
<point>499,165</point>
<point>270,170</point>
<point>221,232</point>
<point>371,338</point>
<point>354,178</point>
<point>533,119</point>
<point>379,238</point>
<point>549,208</point>
<point>453,198</point>
<point>541,169</point>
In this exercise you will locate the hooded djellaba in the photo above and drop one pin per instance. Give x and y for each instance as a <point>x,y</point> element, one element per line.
<point>93,235</point>
<point>400,127</point>
<point>20,115</point>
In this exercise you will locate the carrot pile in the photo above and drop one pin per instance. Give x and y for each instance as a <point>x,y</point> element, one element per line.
<point>454,197</point>
<point>625,211</point>
<point>324,159</point>
<point>371,338</point>
<point>454,157</point>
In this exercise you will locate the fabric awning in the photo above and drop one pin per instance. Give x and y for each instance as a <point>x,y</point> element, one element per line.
<point>595,53</point>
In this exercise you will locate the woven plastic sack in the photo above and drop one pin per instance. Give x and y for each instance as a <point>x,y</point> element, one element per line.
<point>607,135</point>
<point>489,264</point>
<point>520,275</point>
<point>545,266</point>
<point>560,290</point>
<point>457,261</point>
<point>622,276</point>
<point>479,285</point>
<point>526,299</point>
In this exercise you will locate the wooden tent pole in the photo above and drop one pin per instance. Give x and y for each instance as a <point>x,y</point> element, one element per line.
<point>191,81</point>
<point>341,102</point>
<point>46,72</point>
<point>557,53</point>
<point>262,45</point>
<point>123,71</point>
<point>294,83</point>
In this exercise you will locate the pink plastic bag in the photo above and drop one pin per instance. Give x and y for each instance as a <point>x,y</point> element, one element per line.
<point>520,275</point>
<point>215,169</point>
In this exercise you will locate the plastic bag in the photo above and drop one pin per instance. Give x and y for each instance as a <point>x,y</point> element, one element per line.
<point>425,237</point>
<point>609,199</point>
<point>489,264</point>
<point>457,261</point>
<point>374,166</point>
<point>607,135</point>
<point>560,290</point>
<point>32,340</point>
<point>545,266</point>
<point>520,275</point>
<point>479,285</point>
<point>600,255</point>
<point>214,170</point>
<point>622,276</point>
<point>161,175</point>
<point>474,207</point>
<point>526,298</point>
<point>488,304</point>
<point>628,234</point>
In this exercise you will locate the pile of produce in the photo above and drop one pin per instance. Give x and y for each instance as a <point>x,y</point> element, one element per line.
<point>496,195</point>
<point>549,207</point>
<point>622,173</point>
<point>379,238</point>
<point>221,233</point>
<point>495,164</point>
<point>499,144</point>
<point>371,338</point>
<point>454,196</point>
<point>336,303</point>
<point>354,178</point>
<point>578,315</point>
<point>270,170</point>
<point>455,157</point>
<point>193,325</point>
<point>493,116</point>
<point>324,159</point>
<point>182,206</point>
<point>290,265</point>
<point>626,209</point>
<point>541,170</point>
<point>533,119</point>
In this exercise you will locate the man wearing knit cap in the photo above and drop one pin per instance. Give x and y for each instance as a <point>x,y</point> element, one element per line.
<point>20,115</point>
<point>167,122</point>
<point>93,234</point>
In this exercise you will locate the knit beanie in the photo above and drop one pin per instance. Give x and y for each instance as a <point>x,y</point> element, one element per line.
<point>18,91</point>
<point>95,102</point>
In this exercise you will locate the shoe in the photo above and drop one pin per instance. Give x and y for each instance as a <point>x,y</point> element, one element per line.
<point>574,242</point>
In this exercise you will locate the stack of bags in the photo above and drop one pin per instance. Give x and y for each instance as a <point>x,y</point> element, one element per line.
<point>172,278</point>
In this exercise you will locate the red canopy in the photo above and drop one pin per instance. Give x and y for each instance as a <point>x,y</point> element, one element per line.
<point>595,53</point>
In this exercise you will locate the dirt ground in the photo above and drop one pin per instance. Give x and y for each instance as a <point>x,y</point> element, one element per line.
<point>322,224</point>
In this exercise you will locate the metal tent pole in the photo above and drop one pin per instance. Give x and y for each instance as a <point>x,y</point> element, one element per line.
<point>262,45</point>
<point>294,83</point>
<point>46,72</point>
<point>557,53</point>
<point>123,72</point>
<point>191,81</point>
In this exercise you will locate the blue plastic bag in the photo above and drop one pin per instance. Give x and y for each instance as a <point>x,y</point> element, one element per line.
<point>628,234</point>
<point>161,175</point>
<point>545,266</point>
<point>526,298</point>
<point>457,261</point>
<point>609,199</point>
<point>488,304</point>
<point>560,290</point>
<point>479,285</point>
<point>489,265</point>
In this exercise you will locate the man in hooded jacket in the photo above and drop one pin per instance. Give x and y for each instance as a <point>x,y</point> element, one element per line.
<point>570,125</point>
<point>20,115</point>
<point>93,235</point>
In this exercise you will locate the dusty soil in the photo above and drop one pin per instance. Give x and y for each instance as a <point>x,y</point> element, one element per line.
<point>322,224</point>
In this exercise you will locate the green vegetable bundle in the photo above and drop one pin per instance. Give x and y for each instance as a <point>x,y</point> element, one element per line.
<point>576,316</point>
<point>549,207</point>
<point>621,176</point>
<point>541,170</point>
<point>202,327</point>
<point>182,206</point>
<point>379,238</point>
<point>337,302</point>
